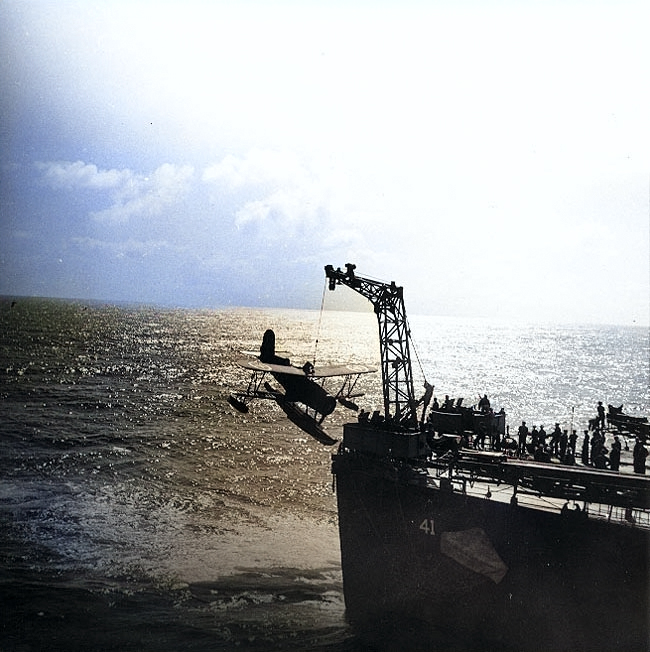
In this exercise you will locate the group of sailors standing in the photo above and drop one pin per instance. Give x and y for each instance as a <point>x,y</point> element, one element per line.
<point>535,443</point>
<point>563,446</point>
<point>559,444</point>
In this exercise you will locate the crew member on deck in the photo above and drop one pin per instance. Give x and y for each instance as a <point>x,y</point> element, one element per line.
<point>523,434</point>
<point>601,415</point>
<point>534,439</point>
<point>585,449</point>
<point>639,454</point>
<point>426,398</point>
<point>484,404</point>
<point>597,442</point>
<point>564,443</point>
<point>615,454</point>
<point>555,440</point>
<point>600,460</point>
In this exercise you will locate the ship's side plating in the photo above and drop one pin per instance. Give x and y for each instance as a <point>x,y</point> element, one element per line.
<point>473,573</point>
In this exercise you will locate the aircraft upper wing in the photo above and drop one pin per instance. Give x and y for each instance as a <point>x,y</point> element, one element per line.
<point>342,370</point>
<point>321,372</point>
<point>256,365</point>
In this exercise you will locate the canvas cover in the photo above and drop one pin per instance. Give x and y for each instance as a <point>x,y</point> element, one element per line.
<point>473,549</point>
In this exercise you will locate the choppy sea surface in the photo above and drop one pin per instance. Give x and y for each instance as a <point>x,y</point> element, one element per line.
<point>139,511</point>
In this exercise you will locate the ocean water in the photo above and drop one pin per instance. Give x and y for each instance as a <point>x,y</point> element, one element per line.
<point>139,511</point>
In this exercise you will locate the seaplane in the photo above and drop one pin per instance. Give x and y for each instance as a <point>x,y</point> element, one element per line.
<point>303,397</point>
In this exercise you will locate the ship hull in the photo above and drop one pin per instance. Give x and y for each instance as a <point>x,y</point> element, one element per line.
<point>453,571</point>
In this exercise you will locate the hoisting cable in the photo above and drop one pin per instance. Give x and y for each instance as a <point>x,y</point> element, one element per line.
<point>428,388</point>
<point>320,319</point>
<point>415,349</point>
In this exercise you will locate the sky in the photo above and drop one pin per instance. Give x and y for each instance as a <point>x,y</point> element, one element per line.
<point>491,157</point>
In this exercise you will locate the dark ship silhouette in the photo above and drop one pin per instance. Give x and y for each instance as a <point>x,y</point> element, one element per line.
<point>470,550</point>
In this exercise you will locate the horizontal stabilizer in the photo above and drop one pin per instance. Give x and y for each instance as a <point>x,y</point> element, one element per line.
<point>347,403</point>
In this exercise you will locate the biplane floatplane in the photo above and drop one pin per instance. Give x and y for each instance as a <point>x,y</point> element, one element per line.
<point>305,400</point>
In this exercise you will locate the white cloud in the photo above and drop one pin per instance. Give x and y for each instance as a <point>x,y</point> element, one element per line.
<point>132,194</point>
<point>72,175</point>
<point>287,206</point>
<point>148,196</point>
<point>259,167</point>
<point>292,194</point>
<point>130,248</point>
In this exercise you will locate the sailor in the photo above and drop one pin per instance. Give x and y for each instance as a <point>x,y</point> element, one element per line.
<point>573,439</point>
<point>555,440</point>
<point>428,393</point>
<point>480,434</point>
<point>534,438</point>
<point>593,446</point>
<point>540,454</point>
<point>585,448</point>
<point>597,442</point>
<point>523,434</point>
<point>509,444</point>
<point>542,436</point>
<point>376,418</point>
<point>601,415</point>
<point>495,439</point>
<point>484,404</point>
<point>600,460</point>
<point>615,454</point>
<point>564,442</point>
<point>426,399</point>
<point>638,455</point>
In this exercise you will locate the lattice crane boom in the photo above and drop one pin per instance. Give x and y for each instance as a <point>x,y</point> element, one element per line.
<point>394,338</point>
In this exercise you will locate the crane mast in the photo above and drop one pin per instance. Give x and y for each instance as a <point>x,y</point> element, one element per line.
<point>394,335</point>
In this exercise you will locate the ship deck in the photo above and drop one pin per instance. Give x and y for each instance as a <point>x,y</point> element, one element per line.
<point>610,496</point>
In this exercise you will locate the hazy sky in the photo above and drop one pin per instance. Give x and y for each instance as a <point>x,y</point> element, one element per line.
<point>492,157</point>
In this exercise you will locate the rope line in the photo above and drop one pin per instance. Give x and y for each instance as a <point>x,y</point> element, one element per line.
<point>415,350</point>
<point>320,319</point>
